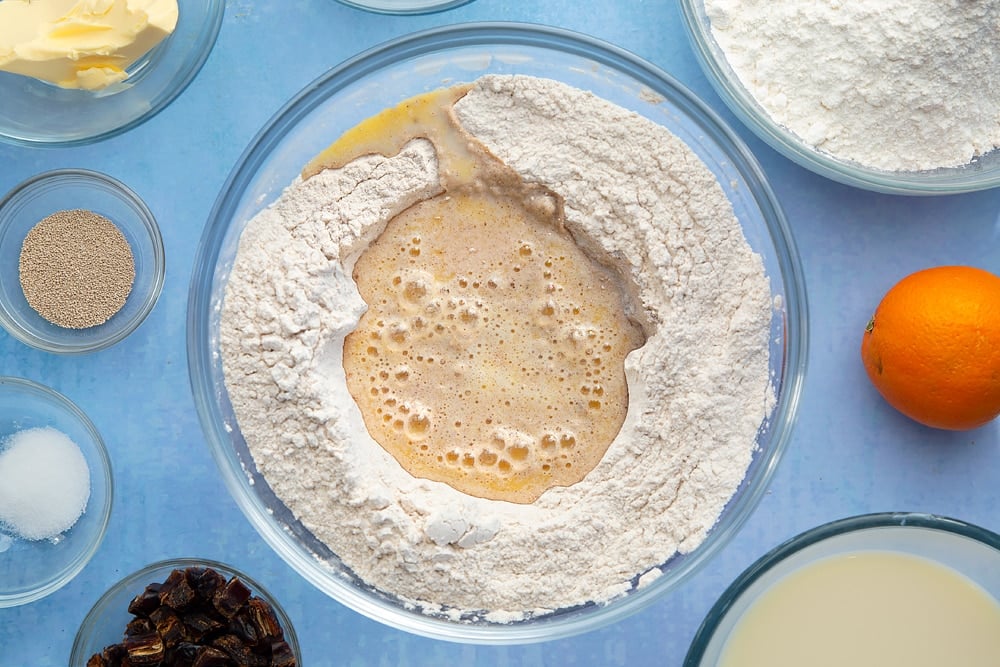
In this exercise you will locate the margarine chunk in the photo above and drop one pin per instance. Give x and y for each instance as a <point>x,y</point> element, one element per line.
<point>81,43</point>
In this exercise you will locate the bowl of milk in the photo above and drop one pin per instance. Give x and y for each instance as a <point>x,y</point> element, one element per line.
<point>873,590</point>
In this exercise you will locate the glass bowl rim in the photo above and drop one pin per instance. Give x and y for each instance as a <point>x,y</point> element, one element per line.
<point>435,40</point>
<point>141,577</point>
<point>64,403</point>
<point>109,184</point>
<point>207,35</point>
<point>744,106</point>
<point>417,7</point>
<point>815,535</point>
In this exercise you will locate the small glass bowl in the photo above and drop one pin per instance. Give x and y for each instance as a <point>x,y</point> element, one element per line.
<point>32,569</point>
<point>380,78</point>
<point>105,623</point>
<point>36,112</point>
<point>53,191</point>
<point>404,6</point>
<point>982,173</point>
<point>969,550</point>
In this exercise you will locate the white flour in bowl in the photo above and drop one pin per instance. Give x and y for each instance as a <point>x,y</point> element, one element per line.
<point>898,85</point>
<point>698,389</point>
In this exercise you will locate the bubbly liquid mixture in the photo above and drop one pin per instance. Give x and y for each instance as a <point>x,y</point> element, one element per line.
<point>869,609</point>
<point>492,353</point>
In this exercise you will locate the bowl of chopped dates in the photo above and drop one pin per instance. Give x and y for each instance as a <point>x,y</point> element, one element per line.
<point>184,613</point>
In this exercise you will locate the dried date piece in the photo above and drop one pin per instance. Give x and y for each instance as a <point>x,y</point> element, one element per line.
<point>114,655</point>
<point>145,602</point>
<point>168,626</point>
<point>145,649</point>
<point>266,623</point>
<point>198,625</point>
<point>282,655</point>
<point>139,626</point>
<point>243,627</point>
<point>240,653</point>
<point>231,597</point>
<point>176,592</point>
<point>183,655</point>
<point>205,581</point>
<point>211,657</point>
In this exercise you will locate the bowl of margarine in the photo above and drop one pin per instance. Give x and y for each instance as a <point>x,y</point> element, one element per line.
<point>73,73</point>
<point>868,591</point>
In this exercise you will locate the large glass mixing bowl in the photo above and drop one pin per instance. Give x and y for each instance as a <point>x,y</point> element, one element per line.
<point>380,78</point>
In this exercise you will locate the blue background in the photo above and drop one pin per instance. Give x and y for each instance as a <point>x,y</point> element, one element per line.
<point>850,453</point>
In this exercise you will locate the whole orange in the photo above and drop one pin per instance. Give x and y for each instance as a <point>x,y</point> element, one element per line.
<point>932,348</point>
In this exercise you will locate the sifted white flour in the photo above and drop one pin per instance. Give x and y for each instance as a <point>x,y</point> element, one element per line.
<point>698,389</point>
<point>899,85</point>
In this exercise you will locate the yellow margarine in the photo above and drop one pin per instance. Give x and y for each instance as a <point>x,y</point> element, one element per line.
<point>81,43</point>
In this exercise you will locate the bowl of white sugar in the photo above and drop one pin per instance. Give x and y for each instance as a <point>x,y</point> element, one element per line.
<point>496,333</point>
<point>55,491</point>
<point>897,97</point>
<point>81,261</point>
<point>895,588</point>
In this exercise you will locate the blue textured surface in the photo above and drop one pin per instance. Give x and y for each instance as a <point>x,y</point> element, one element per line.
<point>849,454</point>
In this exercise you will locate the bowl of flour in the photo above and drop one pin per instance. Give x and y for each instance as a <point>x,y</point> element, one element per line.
<point>400,451</point>
<point>896,96</point>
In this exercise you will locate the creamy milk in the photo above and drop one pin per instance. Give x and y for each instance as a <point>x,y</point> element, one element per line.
<point>869,609</point>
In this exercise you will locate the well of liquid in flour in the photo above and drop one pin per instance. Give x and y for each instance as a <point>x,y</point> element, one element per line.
<point>869,609</point>
<point>492,353</point>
